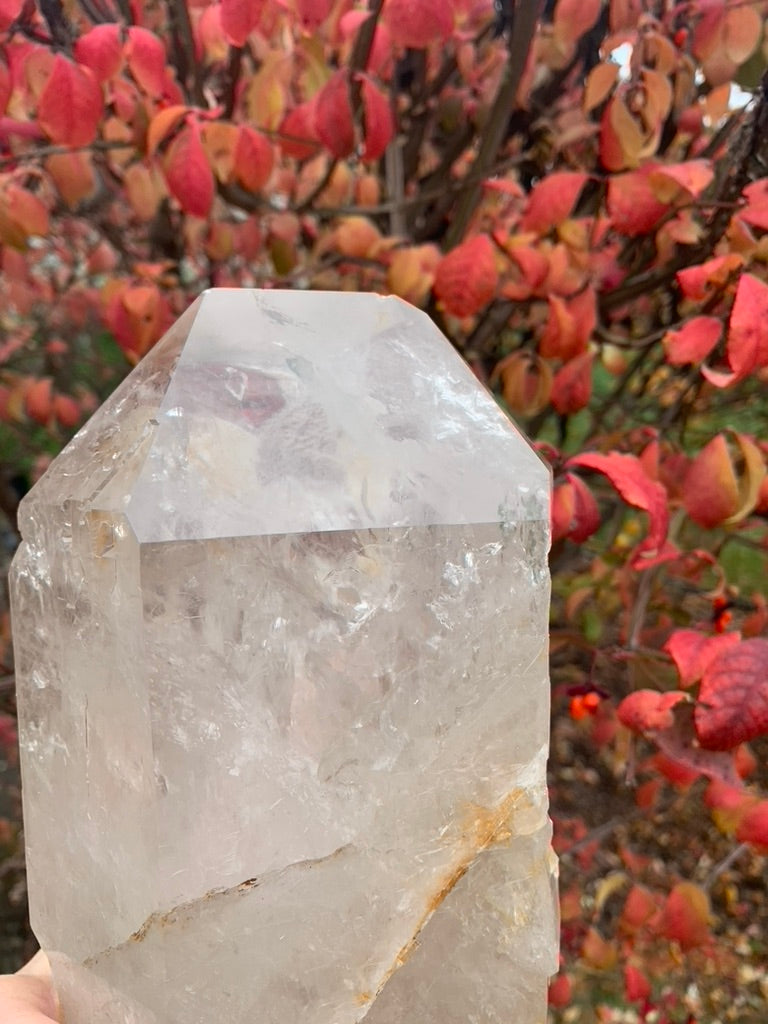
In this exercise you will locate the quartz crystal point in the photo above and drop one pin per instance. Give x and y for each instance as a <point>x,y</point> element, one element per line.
<point>280,614</point>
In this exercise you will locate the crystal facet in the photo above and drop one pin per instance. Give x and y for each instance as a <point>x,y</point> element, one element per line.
<point>280,614</point>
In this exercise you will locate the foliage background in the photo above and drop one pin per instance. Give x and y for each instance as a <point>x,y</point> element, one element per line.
<point>577,192</point>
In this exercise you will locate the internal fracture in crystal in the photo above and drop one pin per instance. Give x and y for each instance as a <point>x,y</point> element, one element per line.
<point>280,617</point>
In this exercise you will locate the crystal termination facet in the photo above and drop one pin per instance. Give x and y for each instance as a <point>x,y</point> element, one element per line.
<point>280,616</point>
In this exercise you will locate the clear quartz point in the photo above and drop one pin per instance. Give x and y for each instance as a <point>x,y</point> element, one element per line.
<point>280,617</point>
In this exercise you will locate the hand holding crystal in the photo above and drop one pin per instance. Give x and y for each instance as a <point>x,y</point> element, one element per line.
<point>28,997</point>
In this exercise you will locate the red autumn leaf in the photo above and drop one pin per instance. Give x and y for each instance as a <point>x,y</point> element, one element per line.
<point>137,316</point>
<point>38,400</point>
<point>466,277</point>
<point>756,210</point>
<point>9,12</point>
<point>728,803</point>
<point>733,696</point>
<point>569,326</point>
<point>572,386</point>
<point>298,135</point>
<point>67,411</point>
<point>573,18</point>
<point>333,115</point>
<point>649,710</point>
<point>639,908</point>
<point>101,50</point>
<point>146,58</point>
<point>239,18</point>
<point>747,346</point>
<point>627,475</point>
<point>574,510</point>
<point>700,281</point>
<point>380,57</point>
<point>637,988</point>
<point>6,86</point>
<point>692,651</point>
<point>633,206</point>
<point>753,827</point>
<point>693,177</point>
<point>694,341</point>
<point>70,107</point>
<point>552,200</point>
<point>254,159</point>
<point>312,13</point>
<point>686,916</point>
<point>417,25</point>
<point>377,121</point>
<point>188,173</point>
<point>712,492</point>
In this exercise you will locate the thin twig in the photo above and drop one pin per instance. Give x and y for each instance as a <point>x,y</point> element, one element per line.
<point>494,132</point>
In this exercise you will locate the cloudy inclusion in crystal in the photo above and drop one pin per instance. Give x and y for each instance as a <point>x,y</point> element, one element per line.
<point>280,615</point>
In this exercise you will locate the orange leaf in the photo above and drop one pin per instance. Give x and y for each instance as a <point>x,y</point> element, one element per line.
<point>574,510</point>
<point>569,326</point>
<point>71,105</point>
<point>239,18</point>
<point>333,115</point>
<point>573,18</point>
<point>219,139</point>
<point>145,189</point>
<point>466,277</point>
<point>72,173</point>
<point>572,386</point>
<point>552,200</point>
<point>101,50</point>
<point>254,159</point>
<point>598,952</point>
<point>412,272</point>
<point>600,80</point>
<point>146,59</point>
<point>162,124</point>
<point>686,916</point>
<point>742,32</point>
<point>694,341</point>
<point>417,25</point>
<point>357,237</point>
<point>526,382</point>
<point>621,140</point>
<point>711,490</point>
<point>188,173</point>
